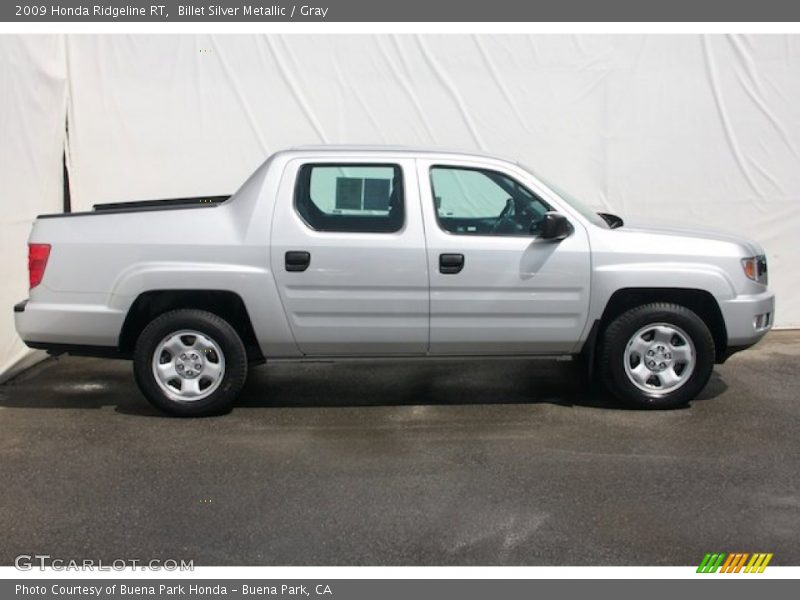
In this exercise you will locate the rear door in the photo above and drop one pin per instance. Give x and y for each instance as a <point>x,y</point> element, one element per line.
<point>496,286</point>
<point>348,254</point>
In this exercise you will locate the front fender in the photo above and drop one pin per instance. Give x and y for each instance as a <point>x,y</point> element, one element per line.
<point>608,279</point>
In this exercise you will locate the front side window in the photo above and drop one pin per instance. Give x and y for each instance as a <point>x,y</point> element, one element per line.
<point>482,202</point>
<point>357,198</point>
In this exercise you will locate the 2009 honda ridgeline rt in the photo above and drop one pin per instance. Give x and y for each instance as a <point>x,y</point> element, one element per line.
<point>388,252</point>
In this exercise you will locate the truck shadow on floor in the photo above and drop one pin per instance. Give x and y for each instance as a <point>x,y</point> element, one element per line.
<point>442,383</point>
<point>94,383</point>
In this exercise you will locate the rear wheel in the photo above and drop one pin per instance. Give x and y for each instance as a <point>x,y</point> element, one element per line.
<point>190,363</point>
<point>658,355</point>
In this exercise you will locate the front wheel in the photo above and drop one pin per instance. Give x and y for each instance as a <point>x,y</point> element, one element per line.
<point>190,363</point>
<point>657,355</point>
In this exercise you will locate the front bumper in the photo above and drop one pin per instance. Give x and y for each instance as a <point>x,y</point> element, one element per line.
<point>748,317</point>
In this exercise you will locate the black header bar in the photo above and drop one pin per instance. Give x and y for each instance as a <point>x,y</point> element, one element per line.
<point>240,11</point>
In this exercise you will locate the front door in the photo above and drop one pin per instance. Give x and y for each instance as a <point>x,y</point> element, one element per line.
<point>348,254</point>
<point>496,287</point>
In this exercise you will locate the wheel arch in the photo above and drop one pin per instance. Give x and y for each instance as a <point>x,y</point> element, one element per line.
<point>225,304</point>
<point>699,301</point>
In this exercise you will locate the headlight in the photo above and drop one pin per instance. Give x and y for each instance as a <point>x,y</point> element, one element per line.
<point>755,268</point>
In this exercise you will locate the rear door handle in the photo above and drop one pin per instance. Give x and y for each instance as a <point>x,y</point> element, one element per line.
<point>297,260</point>
<point>450,264</point>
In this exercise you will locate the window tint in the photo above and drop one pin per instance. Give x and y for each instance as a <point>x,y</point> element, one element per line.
<point>483,202</point>
<point>351,197</point>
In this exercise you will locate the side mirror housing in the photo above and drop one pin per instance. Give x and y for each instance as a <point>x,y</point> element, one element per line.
<point>555,227</point>
<point>613,220</point>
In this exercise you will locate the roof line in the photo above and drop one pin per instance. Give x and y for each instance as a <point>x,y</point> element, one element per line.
<point>395,148</point>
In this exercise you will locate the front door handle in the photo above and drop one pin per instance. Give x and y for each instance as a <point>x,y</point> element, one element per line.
<point>297,260</point>
<point>450,264</point>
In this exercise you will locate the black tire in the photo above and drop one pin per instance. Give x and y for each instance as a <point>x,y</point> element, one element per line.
<point>613,345</point>
<point>207,324</point>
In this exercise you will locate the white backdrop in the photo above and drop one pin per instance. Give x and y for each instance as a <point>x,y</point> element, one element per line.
<point>702,129</point>
<point>33,102</point>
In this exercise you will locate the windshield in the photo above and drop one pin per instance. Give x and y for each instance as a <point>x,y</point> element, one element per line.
<point>587,212</point>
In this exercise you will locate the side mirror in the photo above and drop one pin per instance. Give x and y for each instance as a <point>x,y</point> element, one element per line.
<point>555,227</point>
<point>613,220</point>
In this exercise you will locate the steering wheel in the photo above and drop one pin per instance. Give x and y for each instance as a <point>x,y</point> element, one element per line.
<point>504,214</point>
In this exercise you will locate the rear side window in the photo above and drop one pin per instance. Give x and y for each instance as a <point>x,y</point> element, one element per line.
<point>358,198</point>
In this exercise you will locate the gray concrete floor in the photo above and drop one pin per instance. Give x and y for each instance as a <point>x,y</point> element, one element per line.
<point>495,462</point>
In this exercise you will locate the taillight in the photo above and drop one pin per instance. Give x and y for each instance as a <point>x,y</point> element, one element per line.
<point>37,261</point>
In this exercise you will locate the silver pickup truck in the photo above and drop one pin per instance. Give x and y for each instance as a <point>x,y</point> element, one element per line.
<point>341,252</point>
